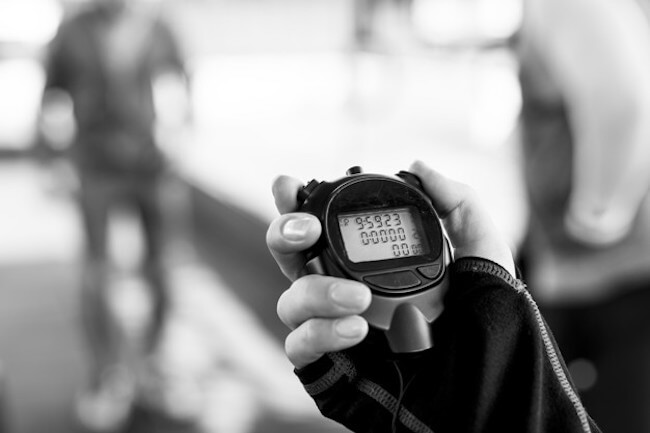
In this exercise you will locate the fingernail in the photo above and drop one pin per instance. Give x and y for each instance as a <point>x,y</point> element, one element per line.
<point>295,229</point>
<point>351,327</point>
<point>350,296</point>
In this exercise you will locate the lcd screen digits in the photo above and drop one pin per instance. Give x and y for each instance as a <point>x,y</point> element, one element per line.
<point>383,235</point>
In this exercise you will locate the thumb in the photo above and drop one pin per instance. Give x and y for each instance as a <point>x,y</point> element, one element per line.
<point>470,227</point>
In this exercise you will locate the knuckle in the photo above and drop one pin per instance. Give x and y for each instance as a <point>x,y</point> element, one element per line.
<point>310,333</point>
<point>304,341</point>
<point>289,348</point>
<point>308,291</point>
<point>316,337</point>
<point>281,308</point>
<point>300,346</point>
<point>300,302</point>
<point>272,231</point>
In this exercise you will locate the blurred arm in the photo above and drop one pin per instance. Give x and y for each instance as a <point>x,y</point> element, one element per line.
<point>173,76</point>
<point>55,123</point>
<point>172,93</point>
<point>598,52</point>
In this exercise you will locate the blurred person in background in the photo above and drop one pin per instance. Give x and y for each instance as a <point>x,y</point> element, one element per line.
<point>381,26</point>
<point>585,75</point>
<point>365,14</point>
<point>106,58</point>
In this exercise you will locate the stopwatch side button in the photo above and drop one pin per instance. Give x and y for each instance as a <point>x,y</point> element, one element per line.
<point>410,178</point>
<point>315,266</point>
<point>306,191</point>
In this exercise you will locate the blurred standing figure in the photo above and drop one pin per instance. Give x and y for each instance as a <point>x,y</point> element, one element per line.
<point>585,74</point>
<point>106,58</point>
<point>367,25</point>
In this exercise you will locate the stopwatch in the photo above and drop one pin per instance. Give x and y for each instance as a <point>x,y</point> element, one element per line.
<point>384,232</point>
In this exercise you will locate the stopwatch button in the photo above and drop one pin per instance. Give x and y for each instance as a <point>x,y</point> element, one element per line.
<point>315,266</point>
<point>354,170</point>
<point>394,280</point>
<point>306,191</point>
<point>410,178</point>
<point>431,271</point>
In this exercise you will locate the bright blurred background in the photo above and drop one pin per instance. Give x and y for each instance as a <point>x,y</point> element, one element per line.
<point>307,88</point>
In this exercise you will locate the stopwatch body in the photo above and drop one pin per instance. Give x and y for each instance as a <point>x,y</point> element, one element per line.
<point>384,232</point>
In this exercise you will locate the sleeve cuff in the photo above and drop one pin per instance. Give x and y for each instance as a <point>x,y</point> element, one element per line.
<point>322,374</point>
<point>481,267</point>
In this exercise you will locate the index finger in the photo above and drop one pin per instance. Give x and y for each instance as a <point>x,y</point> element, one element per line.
<point>292,233</point>
<point>288,236</point>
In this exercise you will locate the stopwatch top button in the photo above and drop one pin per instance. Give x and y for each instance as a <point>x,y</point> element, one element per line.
<point>354,170</point>
<point>306,191</point>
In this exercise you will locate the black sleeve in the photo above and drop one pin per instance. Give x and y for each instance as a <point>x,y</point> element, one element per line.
<point>494,368</point>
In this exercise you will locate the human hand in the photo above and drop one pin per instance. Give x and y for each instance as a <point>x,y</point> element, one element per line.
<point>324,313</point>
<point>470,228</point>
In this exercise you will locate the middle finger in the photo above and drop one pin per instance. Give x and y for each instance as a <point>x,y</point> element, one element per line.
<point>321,296</point>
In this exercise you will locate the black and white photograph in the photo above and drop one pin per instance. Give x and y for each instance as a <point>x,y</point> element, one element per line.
<point>324,216</point>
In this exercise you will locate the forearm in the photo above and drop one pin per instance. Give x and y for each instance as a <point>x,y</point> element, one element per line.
<point>612,144</point>
<point>597,52</point>
<point>494,368</point>
<point>608,188</point>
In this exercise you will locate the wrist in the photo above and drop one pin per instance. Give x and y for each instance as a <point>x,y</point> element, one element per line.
<point>497,252</point>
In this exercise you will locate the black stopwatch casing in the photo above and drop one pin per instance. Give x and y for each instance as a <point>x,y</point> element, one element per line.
<point>383,231</point>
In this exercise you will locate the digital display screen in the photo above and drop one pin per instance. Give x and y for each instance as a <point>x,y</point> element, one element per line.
<point>382,235</point>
